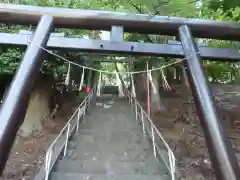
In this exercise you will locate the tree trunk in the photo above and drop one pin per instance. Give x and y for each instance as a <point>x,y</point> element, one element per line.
<point>120,85</point>
<point>237,78</point>
<point>178,74</point>
<point>140,81</point>
<point>140,86</point>
<point>184,77</point>
<point>38,109</point>
<point>169,76</point>
<point>156,104</point>
<point>89,80</point>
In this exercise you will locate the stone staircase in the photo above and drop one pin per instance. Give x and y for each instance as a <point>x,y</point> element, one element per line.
<point>110,145</point>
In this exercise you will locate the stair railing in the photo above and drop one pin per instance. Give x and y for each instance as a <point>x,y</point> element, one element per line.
<point>60,144</point>
<point>149,128</point>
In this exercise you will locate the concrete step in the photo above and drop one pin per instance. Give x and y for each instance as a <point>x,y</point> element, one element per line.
<point>116,168</point>
<point>117,149</point>
<point>119,122</point>
<point>110,145</point>
<point>103,129</point>
<point>110,137</point>
<point>78,176</point>
<point>90,131</point>
<point>110,154</point>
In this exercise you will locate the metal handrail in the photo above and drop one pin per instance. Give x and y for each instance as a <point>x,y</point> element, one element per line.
<point>171,162</point>
<point>61,141</point>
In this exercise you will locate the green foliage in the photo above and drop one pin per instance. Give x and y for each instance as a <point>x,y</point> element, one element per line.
<point>221,72</point>
<point>223,4</point>
<point>9,64</point>
<point>9,58</point>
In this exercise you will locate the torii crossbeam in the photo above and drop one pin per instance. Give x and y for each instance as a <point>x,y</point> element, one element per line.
<point>104,20</point>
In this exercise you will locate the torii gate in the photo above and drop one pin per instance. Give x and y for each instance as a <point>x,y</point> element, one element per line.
<point>14,107</point>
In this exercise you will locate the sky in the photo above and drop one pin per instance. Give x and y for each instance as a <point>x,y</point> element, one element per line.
<point>105,35</point>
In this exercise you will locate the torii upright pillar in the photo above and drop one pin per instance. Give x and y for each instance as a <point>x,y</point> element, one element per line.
<point>223,159</point>
<point>15,104</point>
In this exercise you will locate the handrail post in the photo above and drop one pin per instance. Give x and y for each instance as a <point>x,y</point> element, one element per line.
<point>94,98</point>
<point>78,119</point>
<point>48,164</point>
<point>153,141</point>
<point>87,105</point>
<point>172,163</point>
<point>85,109</point>
<point>143,122</point>
<point>89,102</point>
<point>66,140</point>
<point>13,110</point>
<point>224,161</point>
<point>136,109</point>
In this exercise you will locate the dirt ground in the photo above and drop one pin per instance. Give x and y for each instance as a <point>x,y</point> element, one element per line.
<point>180,126</point>
<point>28,154</point>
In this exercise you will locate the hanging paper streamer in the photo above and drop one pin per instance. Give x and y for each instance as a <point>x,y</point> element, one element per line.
<point>68,74</point>
<point>165,83</point>
<point>82,79</point>
<point>151,81</point>
<point>99,84</point>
